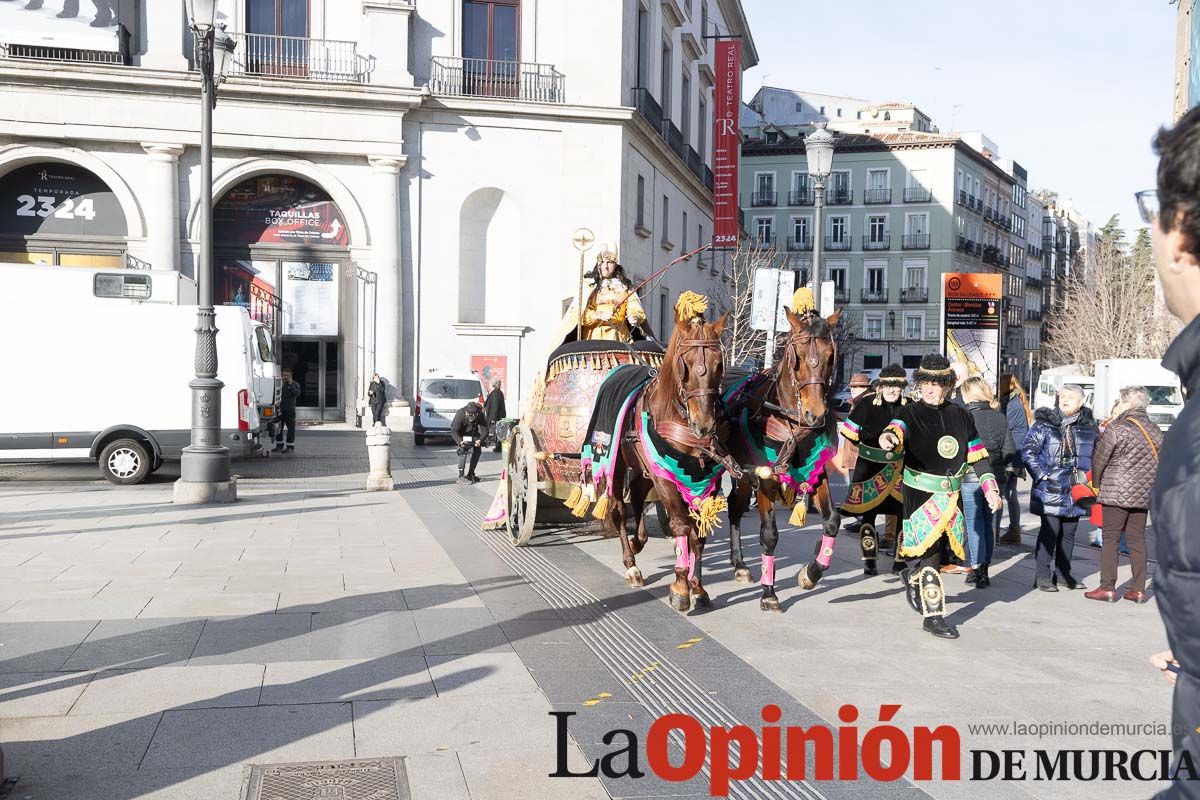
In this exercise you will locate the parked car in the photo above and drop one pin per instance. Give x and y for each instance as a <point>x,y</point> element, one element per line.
<point>439,397</point>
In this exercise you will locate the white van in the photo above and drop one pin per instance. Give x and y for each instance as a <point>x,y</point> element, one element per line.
<point>109,383</point>
<point>439,397</point>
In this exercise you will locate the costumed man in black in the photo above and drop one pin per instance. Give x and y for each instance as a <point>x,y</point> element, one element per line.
<point>939,443</point>
<point>469,428</point>
<point>494,410</point>
<point>875,484</point>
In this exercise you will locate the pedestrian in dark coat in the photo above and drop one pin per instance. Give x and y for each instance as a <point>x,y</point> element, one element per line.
<point>468,429</point>
<point>377,396</point>
<point>1124,466</point>
<point>1015,405</point>
<point>494,410</point>
<point>289,394</point>
<point>1174,216</point>
<point>1057,448</point>
<point>993,432</point>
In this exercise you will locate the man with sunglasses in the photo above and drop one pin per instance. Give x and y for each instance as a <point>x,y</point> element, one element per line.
<point>1173,212</point>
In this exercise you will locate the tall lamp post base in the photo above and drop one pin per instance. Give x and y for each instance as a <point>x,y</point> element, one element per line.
<point>190,493</point>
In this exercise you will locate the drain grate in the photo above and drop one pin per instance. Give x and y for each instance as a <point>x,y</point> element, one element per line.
<point>357,779</point>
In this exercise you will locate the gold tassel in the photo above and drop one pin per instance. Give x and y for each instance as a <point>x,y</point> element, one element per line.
<point>799,513</point>
<point>601,509</point>
<point>573,497</point>
<point>706,515</point>
<point>581,508</point>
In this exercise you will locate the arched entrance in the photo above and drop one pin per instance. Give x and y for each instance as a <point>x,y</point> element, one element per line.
<point>60,214</point>
<point>281,250</point>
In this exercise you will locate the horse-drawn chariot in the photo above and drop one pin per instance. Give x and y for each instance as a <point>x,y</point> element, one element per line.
<point>543,456</point>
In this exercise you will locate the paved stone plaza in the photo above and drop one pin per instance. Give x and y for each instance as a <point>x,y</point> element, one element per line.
<point>154,651</point>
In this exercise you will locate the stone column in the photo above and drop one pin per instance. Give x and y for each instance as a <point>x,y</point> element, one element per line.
<point>165,24</point>
<point>385,37</point>
<point>385,263</point>
<point>162,210</point>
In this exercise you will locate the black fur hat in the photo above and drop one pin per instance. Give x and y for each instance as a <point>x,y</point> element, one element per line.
<point>893,375</point>
<point>935,368</point>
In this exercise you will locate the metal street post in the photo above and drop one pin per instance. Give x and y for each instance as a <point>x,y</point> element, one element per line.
<point>818,149</point>
<point>205,470</point>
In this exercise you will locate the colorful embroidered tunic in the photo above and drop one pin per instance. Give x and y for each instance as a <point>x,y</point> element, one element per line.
<point>939,444</point>
<point>604,300</point>
<point>875,484</point>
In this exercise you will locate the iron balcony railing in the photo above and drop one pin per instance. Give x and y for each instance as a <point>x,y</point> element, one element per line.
<point>644,103</point>
<point>881,241</point>
<point>832,243</point>
<point>971,203</point>
<point>961,244</point>
<point>877,196</point>
<point>917,194</point>
<point>799,243</point>
<point>962,198</point>
<point>840,197</point>
<point>764,240</point>
<point>914,294</point>
<point>270,56</point>
<point>988,214</point>
<point>1033,314</point>
<point>510,80</point>
<point>674,138</point>
<point>30,52</point>
<point>800,197</point>
<point>841,294</point>
<point>874,295</point>
<point>916,241</point>
<point>759,199</point>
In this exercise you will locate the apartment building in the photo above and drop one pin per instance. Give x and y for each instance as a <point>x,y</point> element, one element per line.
<point>1035,261</point>
<point>395,186</point>
<point>902,209</point>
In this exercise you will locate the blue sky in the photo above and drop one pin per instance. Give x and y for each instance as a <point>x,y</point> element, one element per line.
<point>1072,89</point>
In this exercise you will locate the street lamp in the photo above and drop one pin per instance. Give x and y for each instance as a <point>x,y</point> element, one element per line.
<point>204,470</point>
<point>818,147</point>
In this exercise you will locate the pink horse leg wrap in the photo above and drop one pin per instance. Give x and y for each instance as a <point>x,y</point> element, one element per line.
<point>768,575</point>
<point>691,566</point>
<point>682,552</point>
<point>826,554</point>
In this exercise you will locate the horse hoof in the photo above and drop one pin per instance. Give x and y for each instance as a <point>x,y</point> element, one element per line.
<point>770,604</point>
<point>810,574</point>
<point>742,575</point>
<point>681,602</point>
<point>633,576</point>
<point>701,600</point>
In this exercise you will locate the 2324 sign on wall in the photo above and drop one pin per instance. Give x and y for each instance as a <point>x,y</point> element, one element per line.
<point>58,199</point>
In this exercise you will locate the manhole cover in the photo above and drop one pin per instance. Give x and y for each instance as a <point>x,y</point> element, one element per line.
<point>358,779</point>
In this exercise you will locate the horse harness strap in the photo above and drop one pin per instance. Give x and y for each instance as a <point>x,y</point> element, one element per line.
<point>681,434</point>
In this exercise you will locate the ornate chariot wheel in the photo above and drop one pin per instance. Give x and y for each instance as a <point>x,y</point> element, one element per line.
<point>522,486</point>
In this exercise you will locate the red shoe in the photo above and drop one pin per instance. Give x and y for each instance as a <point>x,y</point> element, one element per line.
<point>1106,595</point>
<point>1135,596</point>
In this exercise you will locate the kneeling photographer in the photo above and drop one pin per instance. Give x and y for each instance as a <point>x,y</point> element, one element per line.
<point>469,429</point>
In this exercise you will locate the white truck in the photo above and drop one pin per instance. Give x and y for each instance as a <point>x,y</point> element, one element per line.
<point>1051,380</point>
<point>1115,374</point>
<point>104,377</point>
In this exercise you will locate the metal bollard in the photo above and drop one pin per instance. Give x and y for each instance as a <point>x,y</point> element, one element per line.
<point>379,452</point>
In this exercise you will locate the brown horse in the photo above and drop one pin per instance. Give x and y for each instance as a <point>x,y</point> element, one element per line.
<point>669,445</point>
<point>781,431</point>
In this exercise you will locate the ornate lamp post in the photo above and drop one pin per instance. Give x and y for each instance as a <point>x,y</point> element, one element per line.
<point>818,147</point>
<point>204,472</point>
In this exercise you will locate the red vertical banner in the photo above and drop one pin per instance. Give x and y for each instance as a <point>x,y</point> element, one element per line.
<point>727,107</point>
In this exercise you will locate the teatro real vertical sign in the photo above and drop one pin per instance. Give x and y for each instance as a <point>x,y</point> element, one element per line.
<point>727,103</point>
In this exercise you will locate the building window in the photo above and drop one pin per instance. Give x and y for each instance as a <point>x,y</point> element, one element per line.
<point>914,327</point>
<point>772,137</point>
<point>664,303</point>
<point>666,219</point>
<point>702,129</point>
<point>873,329</point>
<point>801,227</point>
<point>910,362</point>
<point>822,112</point>
<point>643,48</point>
<point>703,19</point>
<point>916,224</point>
<point>683,234</point>
<point>290,18</point>
<point>641,202</point>
<point>799,107</point>
<point>873,361</point>
<point>839,112</point>
<point>764,230</point>
<point>664,87</point>
<point>838,276</point>
<point>839,185</point>
<point>489,29</point>
<point>877,229</point>
<point>876,278</point>
<point>839,229</point>
<point>685,106</point>
<point>914,277</point>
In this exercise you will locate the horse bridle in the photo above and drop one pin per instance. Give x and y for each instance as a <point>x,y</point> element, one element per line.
<point>814,360</point>
<point>681,396</point>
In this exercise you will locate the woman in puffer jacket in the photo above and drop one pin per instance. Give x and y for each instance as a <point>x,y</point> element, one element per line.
<point>1124,467</point>
<point>1059,442</point>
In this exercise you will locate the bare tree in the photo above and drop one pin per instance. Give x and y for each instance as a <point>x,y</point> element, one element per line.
<point>1113,310</point>
<point>736,296</point>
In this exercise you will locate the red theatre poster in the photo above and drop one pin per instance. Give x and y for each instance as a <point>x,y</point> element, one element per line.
<point>727,105</point>
<point>491,368</point>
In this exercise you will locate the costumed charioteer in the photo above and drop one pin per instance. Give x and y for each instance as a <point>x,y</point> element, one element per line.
<point>939,443</point>
<point>875,483</point>
<point>613,311</point>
